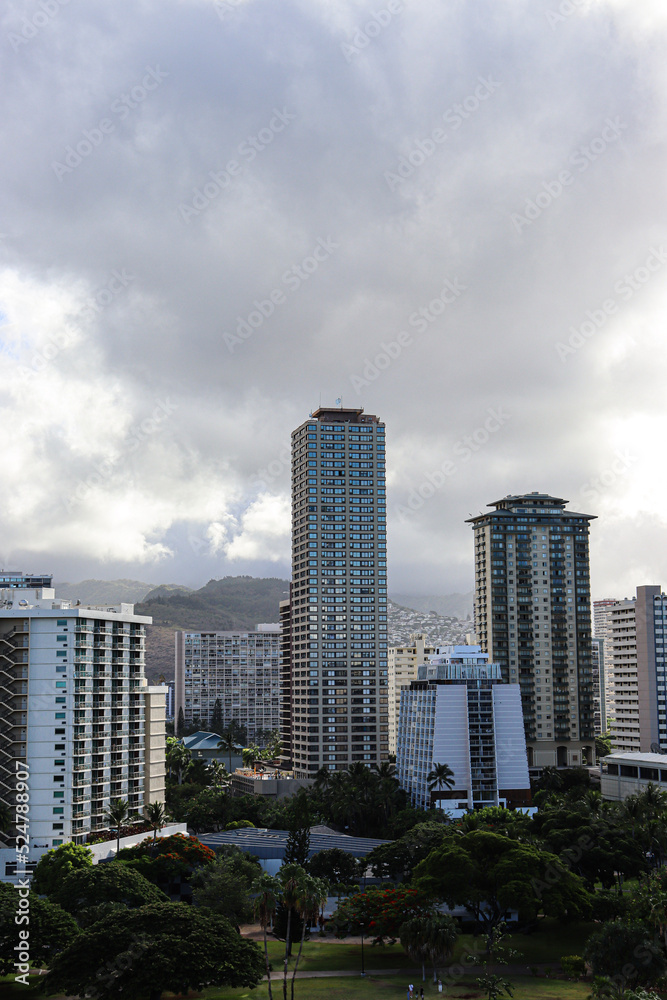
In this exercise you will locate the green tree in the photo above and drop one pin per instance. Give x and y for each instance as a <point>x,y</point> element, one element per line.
<point>624,952</point>
<point>163,946</point>
<point>311,894</point>
<point>490,874</point>
<point>298,841</point>
<point>180,725</point>
<point>336,866</point>
<point>495,986</point>
<point>603,744</point>
<point>178,758</point>
<point>266,890</point>
<point>413,937</point>
<point>379,912</point>
<point>291,877</point>
<point>215,722</point>
<point>50,929</point>
<point>440,777</point>
<point>227,742</point>
<point>112,882</point>
<point>224,885</point>
<point>117,814</point>
<point>157,816</point>
<point>56,864</point>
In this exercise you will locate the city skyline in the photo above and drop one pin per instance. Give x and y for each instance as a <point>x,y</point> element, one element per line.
<point>405,203</point>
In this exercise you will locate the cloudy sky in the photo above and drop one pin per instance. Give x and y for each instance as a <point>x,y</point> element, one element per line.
<point>217,213</point>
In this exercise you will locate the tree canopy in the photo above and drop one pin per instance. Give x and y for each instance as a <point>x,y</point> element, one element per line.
<point>56,864</point>
<point>51,929</point>
<point>110,882</point>
<point>143,952</point>
<point>490,874</point>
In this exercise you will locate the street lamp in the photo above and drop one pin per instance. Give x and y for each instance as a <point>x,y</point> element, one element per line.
<point>362,952</point>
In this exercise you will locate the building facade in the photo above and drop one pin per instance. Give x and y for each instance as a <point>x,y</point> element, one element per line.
<point>402,663</point>
<point>460,713</point>
<point>636,646</point>
<point>238,670</point>
<point>624,773</point>
<point>335,669</point>
<point>77,710</point>
<point>602,632</point>
<point>623,691</point>
<point>533,618</point>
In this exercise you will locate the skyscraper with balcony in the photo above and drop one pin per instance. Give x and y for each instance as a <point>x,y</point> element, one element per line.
<point>533,618</point>
<point>334,665</point>
<point>75,707</point>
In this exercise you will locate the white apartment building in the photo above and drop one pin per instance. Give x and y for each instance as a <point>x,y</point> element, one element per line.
<point>240,670</point>
<point>636,644</point>
<point>601,632</point>
<point>459,712</point>
<point>402,663</point>
<point>75,707</point>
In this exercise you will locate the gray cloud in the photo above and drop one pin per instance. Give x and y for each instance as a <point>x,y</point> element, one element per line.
<point>256,118</point>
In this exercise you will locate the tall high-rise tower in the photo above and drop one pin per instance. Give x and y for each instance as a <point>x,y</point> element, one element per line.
<point>533,617</point>
<point>335,700</point>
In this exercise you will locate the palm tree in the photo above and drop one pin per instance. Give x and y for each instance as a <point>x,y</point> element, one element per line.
<point>414,940</point>
<point>117,814</point>
<point>157,816</point>
<point>250,755</point>
<point>290,876</point>
<point>227,742</point>
<point>311,894</point>
<point>440,940</point>
<point>266,890</point>
<point>440,777</point>
<point>218,773</point>
<point>178,757</point>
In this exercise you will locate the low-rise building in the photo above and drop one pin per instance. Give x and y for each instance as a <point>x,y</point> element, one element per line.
<point>625,773</point>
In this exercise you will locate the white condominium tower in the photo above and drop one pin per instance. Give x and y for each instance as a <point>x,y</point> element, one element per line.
<point>335,702</point>
<point>533,618</point>
<point>75,707</point>
<point>458,712</point>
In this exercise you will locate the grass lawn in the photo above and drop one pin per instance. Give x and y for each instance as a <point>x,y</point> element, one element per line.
<point>545,945</point>
<point>527,988</point>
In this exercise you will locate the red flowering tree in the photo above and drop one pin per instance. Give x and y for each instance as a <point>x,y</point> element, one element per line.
<point>165,858</point>
<point>379,912</point>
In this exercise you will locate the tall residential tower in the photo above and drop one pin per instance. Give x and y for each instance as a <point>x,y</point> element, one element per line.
<point>533,618</point>
<point>334,664</point>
